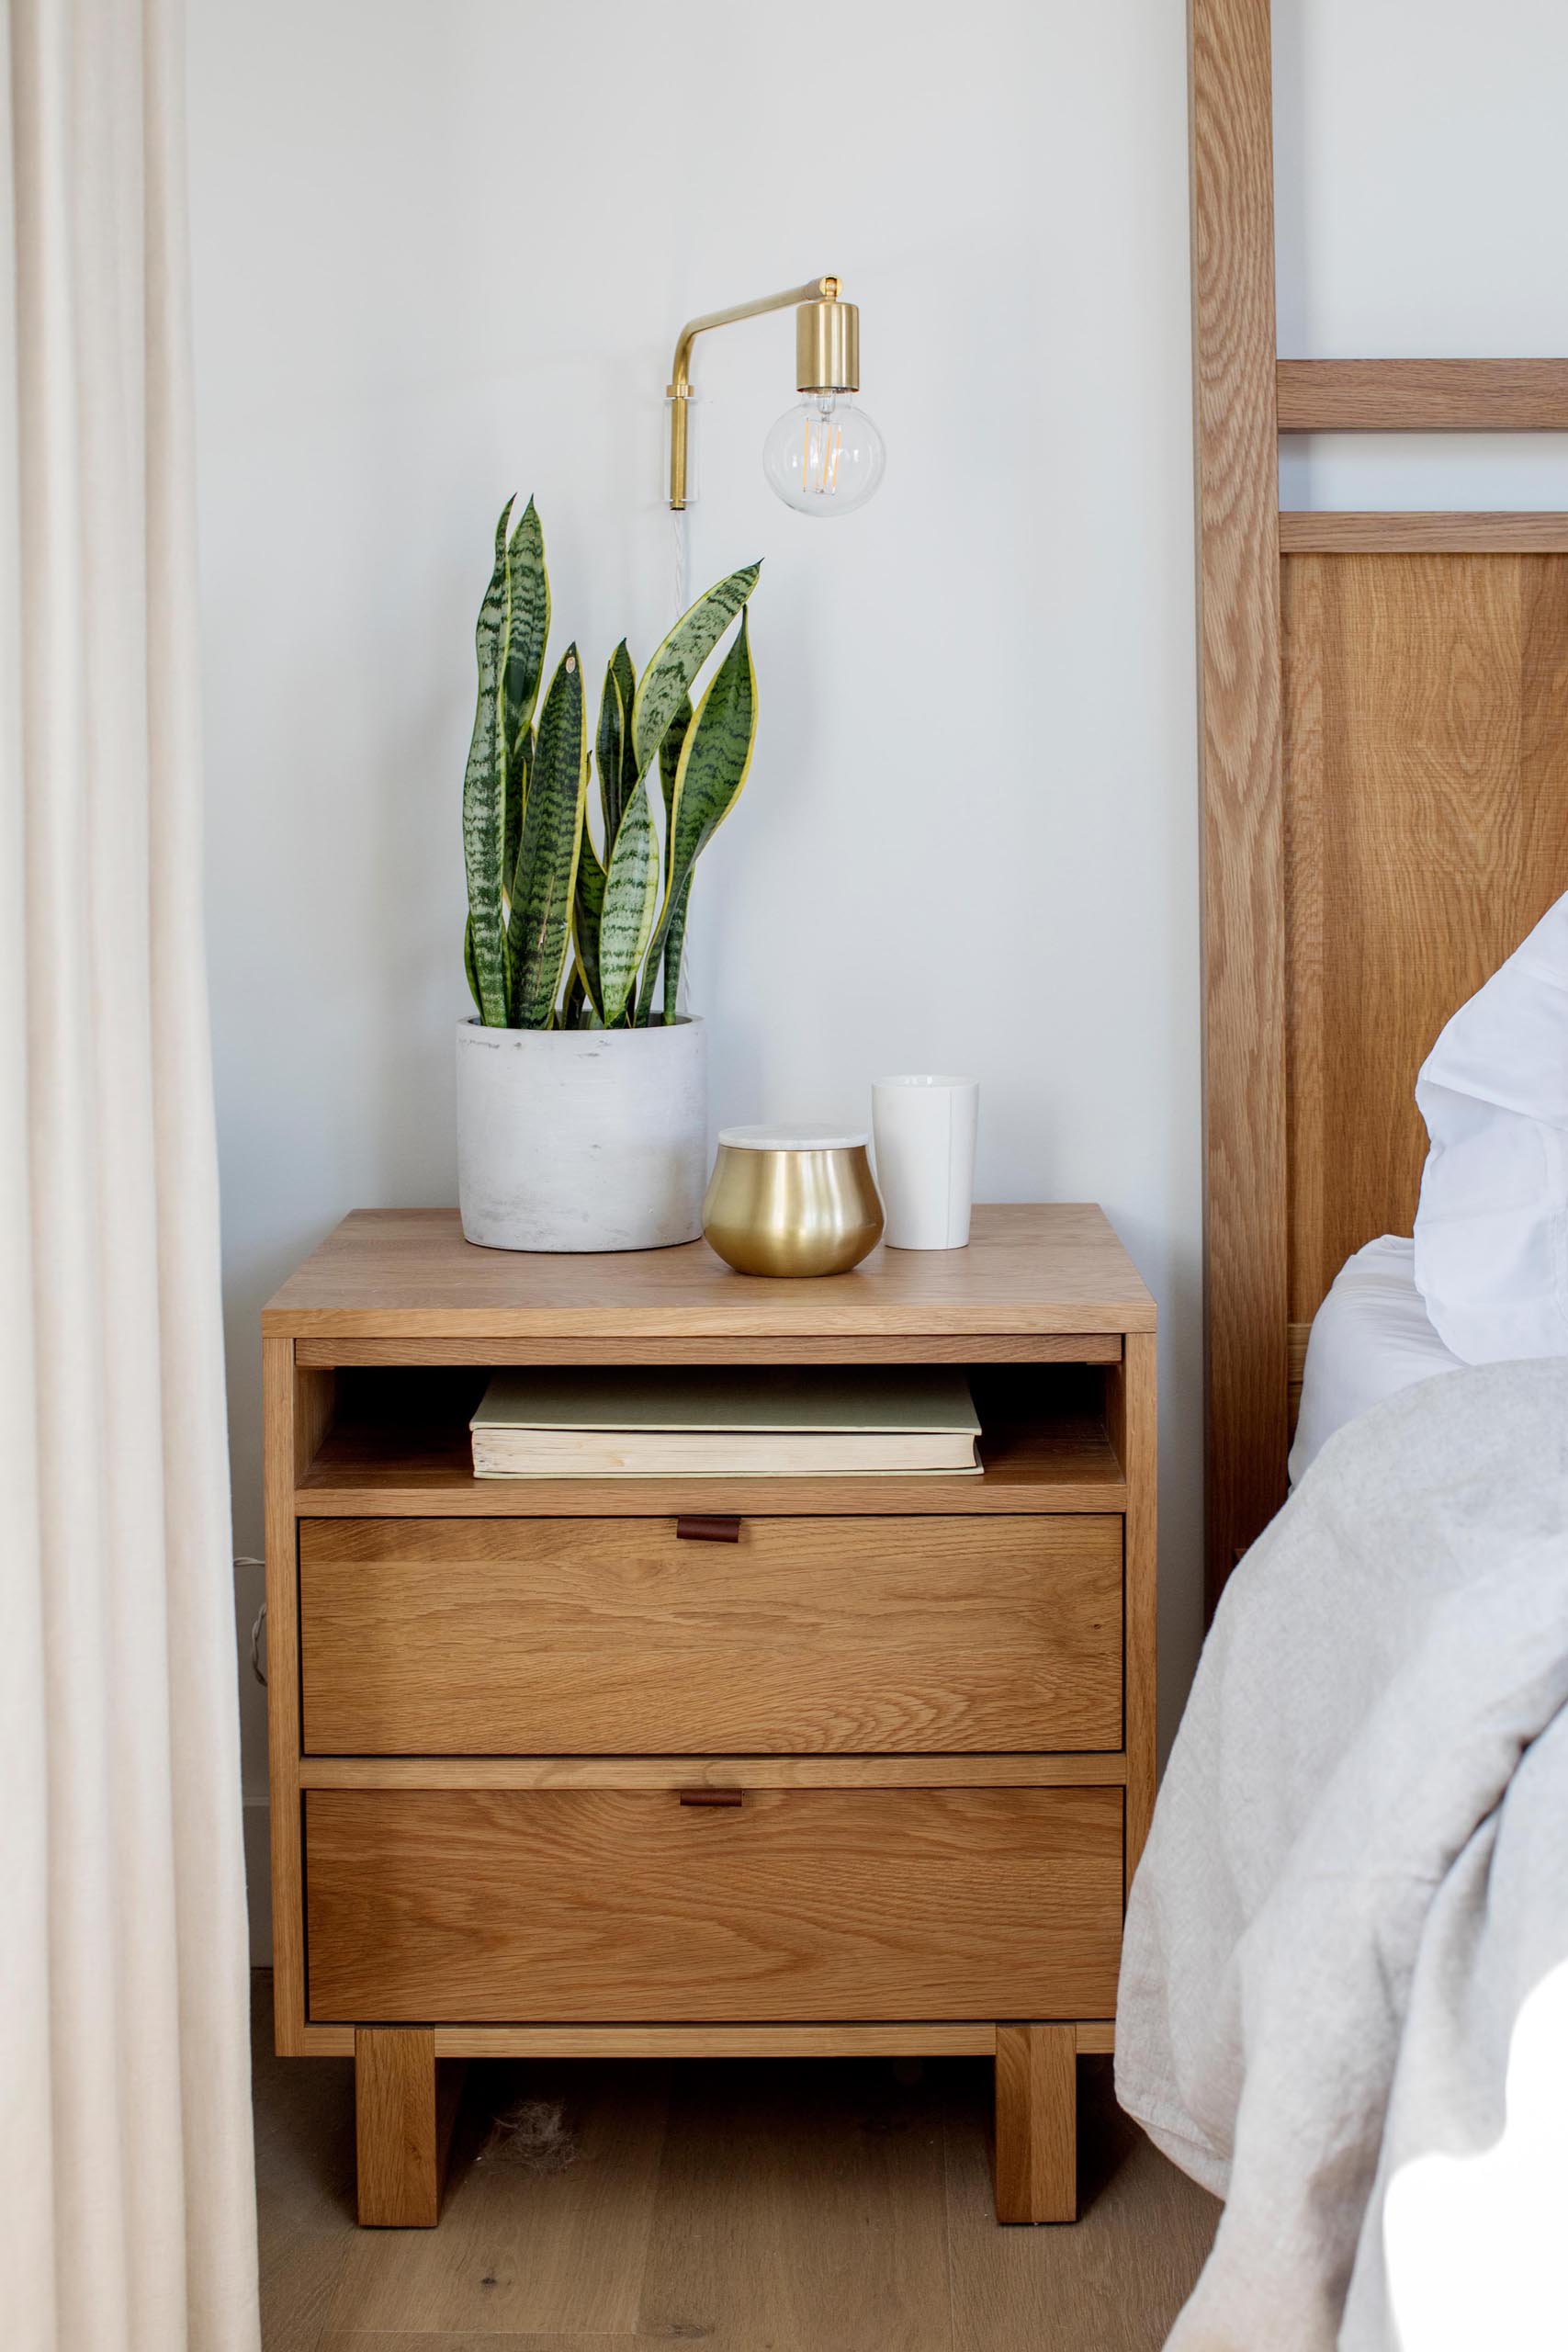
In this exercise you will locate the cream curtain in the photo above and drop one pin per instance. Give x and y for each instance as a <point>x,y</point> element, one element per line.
<point>127,2212</point>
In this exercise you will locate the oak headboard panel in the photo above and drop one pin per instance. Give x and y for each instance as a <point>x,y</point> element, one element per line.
<point>1426,786</point>
<point>1384,762</point>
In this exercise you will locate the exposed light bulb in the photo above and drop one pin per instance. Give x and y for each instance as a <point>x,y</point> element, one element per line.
<point>824,456</point>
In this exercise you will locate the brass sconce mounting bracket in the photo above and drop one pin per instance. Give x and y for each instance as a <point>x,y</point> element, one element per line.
<point>826,348</point>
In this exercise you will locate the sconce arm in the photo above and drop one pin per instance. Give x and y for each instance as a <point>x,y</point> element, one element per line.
<point>815,289</point>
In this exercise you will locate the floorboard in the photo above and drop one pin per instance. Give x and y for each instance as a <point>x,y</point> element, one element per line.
<point>800,2203</point>
<point>799,2206</point>
<point>521,2252</point>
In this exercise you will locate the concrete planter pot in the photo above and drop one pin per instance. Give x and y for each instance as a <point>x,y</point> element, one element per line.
<point>582,1139</point>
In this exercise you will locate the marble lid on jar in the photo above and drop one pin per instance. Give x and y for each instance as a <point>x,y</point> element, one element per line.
<point>794,1138</point>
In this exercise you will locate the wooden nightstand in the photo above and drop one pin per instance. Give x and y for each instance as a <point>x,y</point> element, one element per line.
<point>548,1776</point>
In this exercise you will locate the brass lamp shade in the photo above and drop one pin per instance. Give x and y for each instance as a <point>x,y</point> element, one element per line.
<point>827,347</point>
<point>792,1202</point>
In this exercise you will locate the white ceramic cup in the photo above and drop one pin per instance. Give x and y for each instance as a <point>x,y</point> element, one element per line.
<point>924,1129</point>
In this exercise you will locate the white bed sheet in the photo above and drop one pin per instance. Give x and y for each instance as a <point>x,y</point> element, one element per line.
<point>1357,1878</point>
<point>1371,1337</point>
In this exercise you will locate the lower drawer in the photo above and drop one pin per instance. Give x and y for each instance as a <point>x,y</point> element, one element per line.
<point>539,1905</point>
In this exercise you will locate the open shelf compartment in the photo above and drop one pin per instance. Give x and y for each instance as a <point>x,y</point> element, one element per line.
<point>396,1441</point>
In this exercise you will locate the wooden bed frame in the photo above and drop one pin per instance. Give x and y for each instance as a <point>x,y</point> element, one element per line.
<point>1384,753</point>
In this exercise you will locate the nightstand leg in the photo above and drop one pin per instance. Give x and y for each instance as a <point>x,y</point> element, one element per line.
<point>1037,2118</point>
<point>401,2127</point>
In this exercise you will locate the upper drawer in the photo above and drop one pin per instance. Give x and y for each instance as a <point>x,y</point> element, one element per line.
<point>614,1638</point>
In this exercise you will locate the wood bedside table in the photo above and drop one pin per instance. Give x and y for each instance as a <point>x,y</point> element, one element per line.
<point>870,1778</point>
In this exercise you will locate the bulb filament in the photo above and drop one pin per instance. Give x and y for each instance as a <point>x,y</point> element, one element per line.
<point>819,457</point>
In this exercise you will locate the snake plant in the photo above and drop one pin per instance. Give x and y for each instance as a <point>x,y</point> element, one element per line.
<point>564,932</point>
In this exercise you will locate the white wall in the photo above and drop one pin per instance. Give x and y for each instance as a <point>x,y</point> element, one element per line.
<point>441,254</point>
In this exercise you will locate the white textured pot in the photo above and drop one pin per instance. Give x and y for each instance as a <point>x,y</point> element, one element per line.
<point>582,1139</point>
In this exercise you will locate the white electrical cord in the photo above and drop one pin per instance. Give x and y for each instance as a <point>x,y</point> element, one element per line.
<point>681,520</point>
<point>682,556</point>
<point>258,1624</point>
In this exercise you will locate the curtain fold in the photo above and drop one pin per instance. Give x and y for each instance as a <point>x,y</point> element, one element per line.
<point>126,2194</point>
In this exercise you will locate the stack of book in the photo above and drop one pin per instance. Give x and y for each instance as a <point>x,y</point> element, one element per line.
<point>757,1423</point>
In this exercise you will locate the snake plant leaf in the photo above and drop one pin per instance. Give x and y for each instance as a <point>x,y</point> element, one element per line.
<point>483,785</point>
<point>617,757</point>
<point>626,685</point>
<point>666,682</point>
<point>515,800</point>
<point>715,762</point>
<point>674,943</point>
<point>468,964</point>
<point>528,622</point>
<point>526,630</point>
<point>538,937</point>
<point>631,901</point>
<point>609,746</point>
<point>669,768</point>
<point>587,915</point>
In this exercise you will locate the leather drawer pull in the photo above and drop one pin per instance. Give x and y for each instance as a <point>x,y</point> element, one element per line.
<point>710,1796</point>
<point>699,1529</point>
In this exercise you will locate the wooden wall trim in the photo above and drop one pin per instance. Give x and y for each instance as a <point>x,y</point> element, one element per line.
<point>1423,395</point>
<point>1234,362</point>
<point>1346,534</point>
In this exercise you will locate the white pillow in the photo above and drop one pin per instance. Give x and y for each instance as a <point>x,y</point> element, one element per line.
<point>1492,1230</point>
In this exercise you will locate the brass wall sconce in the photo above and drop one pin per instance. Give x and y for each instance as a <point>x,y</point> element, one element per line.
<point>824,456</point>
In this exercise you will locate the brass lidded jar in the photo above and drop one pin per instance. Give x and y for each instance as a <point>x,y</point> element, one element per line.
<point>791,1201</point>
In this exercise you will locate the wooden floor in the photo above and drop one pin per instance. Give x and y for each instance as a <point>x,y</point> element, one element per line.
<point>786,2207</point>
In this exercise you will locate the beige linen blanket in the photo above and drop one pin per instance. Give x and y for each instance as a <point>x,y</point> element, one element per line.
<point>1359,1863</point>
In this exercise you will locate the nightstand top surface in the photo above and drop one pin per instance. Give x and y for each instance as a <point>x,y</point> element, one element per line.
<point>396,1273</point>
